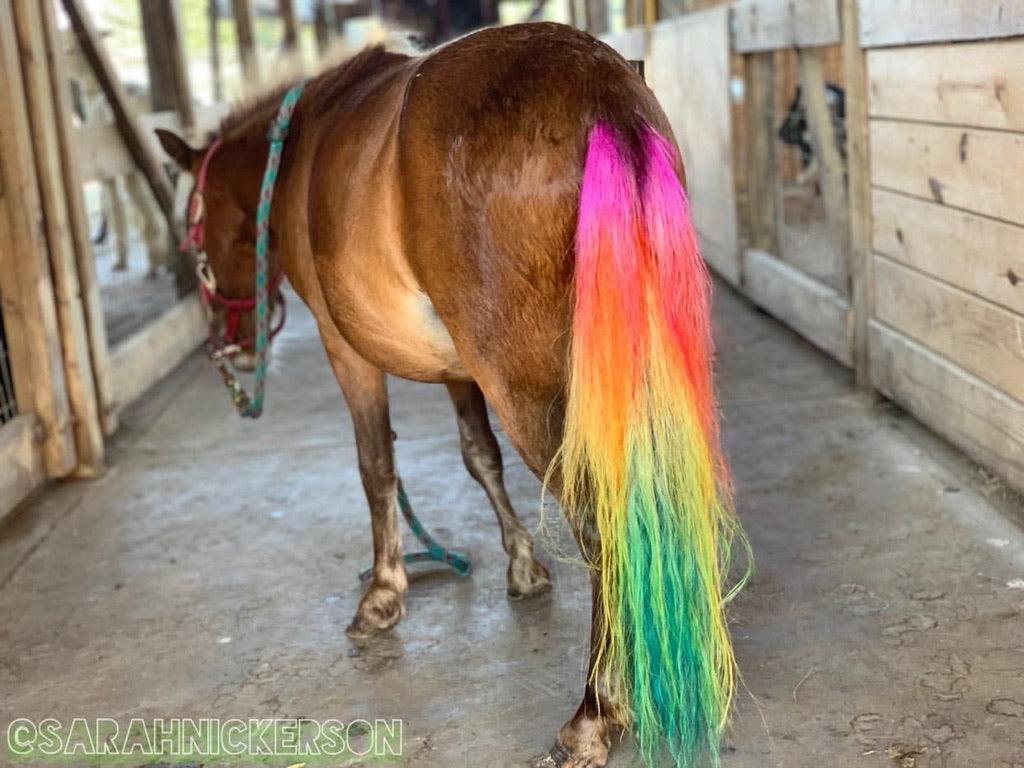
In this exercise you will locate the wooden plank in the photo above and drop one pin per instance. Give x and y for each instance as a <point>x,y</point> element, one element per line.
<point>85,260</point>
<point>859,263</point>
<point>972,84</point>
<point>699,107</point>
<point>291,25</point>
<point>78,375</point>
<point>982,256</point>
<point>244,26</point>
<point>102,153</point>
<point>899,22</point>
<point>831,168</point>
<point>813,248</point>
<point>21,467</point>
<point>762,175</point>
<point>978,336</point>
<point>814,310</point>
<point>767,25</point>
<point>168,76</point>
<point>966,168</point>
<point>984,422</point>
<point>127,121</point>
<point>630,43</point>
<point>30,315</point>
<point>151,354</point>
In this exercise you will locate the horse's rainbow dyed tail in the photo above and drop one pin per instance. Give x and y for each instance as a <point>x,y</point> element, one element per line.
<point>640,460</point>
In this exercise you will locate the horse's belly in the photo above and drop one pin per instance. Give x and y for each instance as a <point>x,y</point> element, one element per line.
<point>406,338</point>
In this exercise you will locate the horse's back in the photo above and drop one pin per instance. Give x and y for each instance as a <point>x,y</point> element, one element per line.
<point>492,143</point>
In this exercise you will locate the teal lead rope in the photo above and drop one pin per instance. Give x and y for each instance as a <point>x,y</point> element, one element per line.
<point>434,553</point>
<point>276,135</point>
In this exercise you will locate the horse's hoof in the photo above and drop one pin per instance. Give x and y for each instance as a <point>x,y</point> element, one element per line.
<point>378,612</point>
<point>529,581</point>
<point>558,757</point>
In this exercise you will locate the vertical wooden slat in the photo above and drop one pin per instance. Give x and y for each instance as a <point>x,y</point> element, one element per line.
<point>74,338</point>
<point>760,130</point>
<point>85,260</point>
<point>858,159</point>
<point>244,28</point>
<point>169,85</point>
<point>213,15</point>
<point>811,65</point>
<point>291,27</point>
<point>30,314</point>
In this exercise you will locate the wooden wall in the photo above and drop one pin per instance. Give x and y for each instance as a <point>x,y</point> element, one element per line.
<point>946,132</point>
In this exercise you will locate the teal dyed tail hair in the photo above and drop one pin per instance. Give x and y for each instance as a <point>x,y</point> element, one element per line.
<point>641,459</point>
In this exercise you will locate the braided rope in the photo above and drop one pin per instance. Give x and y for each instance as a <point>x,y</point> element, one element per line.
<point>276,135</point>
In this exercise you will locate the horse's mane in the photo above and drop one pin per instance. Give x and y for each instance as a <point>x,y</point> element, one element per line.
<point>336,83</point>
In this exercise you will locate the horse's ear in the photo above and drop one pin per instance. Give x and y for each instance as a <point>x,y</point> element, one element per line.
<point>177,149</point>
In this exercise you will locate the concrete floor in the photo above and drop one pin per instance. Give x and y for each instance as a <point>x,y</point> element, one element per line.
<point>212,571</point>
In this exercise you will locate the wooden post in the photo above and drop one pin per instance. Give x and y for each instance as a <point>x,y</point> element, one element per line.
<point>127,122</point>
<point>74,338</point>
<point>831,170</point>
<point>762,180</point>
<point>169,86</point>
<point>214,19</point>
<point>244,27</point>
<point>321,26</point>
<point>858,163</point>
<point>30,315</point>
<point>573,13</point>
<point>85,260</point>
<point>291,27</point>
<point>597,16</point>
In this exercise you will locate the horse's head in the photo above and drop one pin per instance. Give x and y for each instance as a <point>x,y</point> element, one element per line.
<point>222,225</point>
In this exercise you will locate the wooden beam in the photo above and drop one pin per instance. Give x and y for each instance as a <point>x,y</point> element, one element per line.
<point>859,260</point>
<point>245,29</point>
<point>74,337</point>
<point>30,315</point>
<point>291,25</point>
<point>85,260</point>
<point>986,423</point>
<point>760,135</point>
<point>169,86</point>
<point>213,17</point>
<point>151,354</point>
<point>322,27</point>
<point>816,311</point>
<point>899,22</point>
<point>831,169</point>
<point>769,25</point>
<point>127,121</point>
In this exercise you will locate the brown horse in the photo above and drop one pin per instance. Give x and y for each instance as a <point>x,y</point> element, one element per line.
<point>456,218</point>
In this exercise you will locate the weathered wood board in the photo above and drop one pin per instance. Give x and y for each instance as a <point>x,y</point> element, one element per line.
<point>976,170</point>
<point>767,25</point>
<point>986,423</point>
<point>688,69</point>
<point>976,335</point>
<point>814,310</point>
<point>899,22</point>
<point>21,463</point>
<point>980,255</point>
<point>980,85</point>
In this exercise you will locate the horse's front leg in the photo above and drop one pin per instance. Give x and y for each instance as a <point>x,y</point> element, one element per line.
<point>365,390</point>
<point>482,457</point>
<point>584,741</point>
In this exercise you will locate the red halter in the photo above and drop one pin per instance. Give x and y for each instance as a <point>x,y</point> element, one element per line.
<point>211,297</point>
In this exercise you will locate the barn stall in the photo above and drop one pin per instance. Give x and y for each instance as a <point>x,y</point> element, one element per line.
<point>880,625</point>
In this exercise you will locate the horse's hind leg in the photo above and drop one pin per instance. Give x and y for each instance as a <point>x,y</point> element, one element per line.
<point>482,457</point>
<point>365,390</point>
